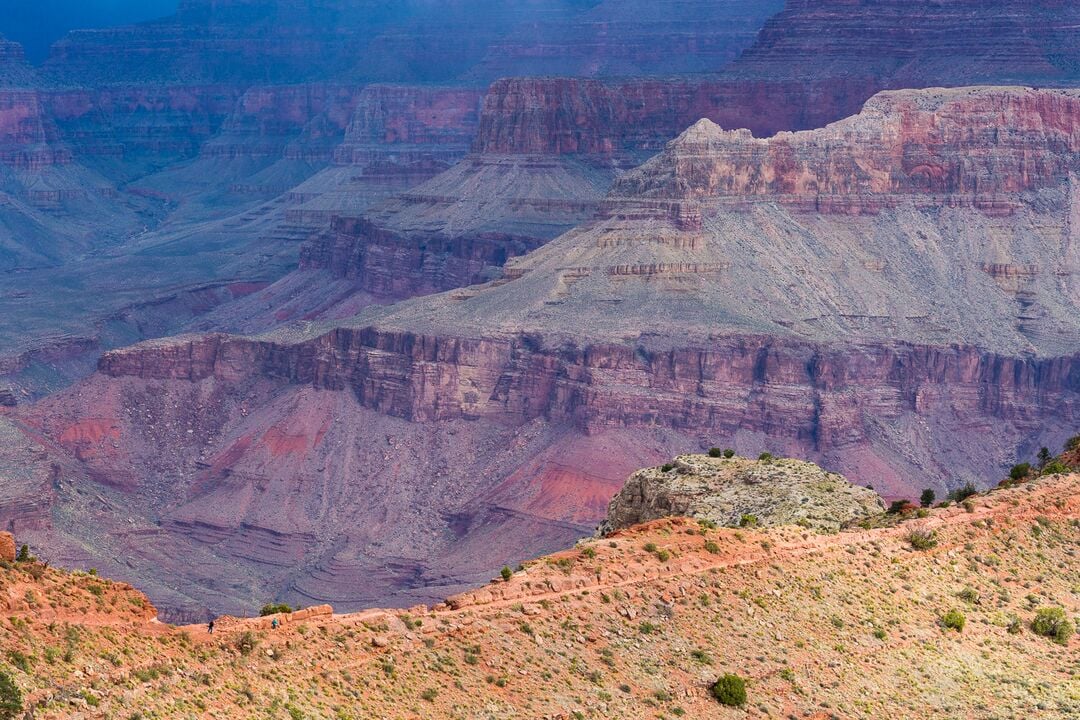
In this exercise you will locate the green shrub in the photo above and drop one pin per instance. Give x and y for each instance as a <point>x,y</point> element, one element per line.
<point>506,573</point>
<point>1055,467</point>
<point>1019,472</point>
<point>922,539</point>
<point>24,555</point>
<point>963,493</point>
<point>927,498</point>
<point>954,620</point>
<point>246,642</point>
<point>663,555</point>
<point>730,690</point>
<point>1072,443</point>
<point>646,628</point>
<point>715,452</point>
<point>667,467</point>
<point>897,507</point>
<point>748,521</point>
<point>729,453</point>
<point>970,595</point>
<point>712,547</point>
<point>430,694</point>
<point>21,660</point>
<point>274,609</point>
<point>11,705</point>
<point>1044,457</point>
<point>1052,622</point>
<point>765,457</point>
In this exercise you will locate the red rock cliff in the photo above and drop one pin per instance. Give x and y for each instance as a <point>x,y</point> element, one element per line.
<point>985,145</point>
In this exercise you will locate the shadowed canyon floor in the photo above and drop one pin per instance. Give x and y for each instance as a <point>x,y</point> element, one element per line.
<point>844,625</point>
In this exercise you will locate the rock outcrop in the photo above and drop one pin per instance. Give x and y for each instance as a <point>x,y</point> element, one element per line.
<point>7,547</point>
<point>980,146</point>
<point>733,492</point>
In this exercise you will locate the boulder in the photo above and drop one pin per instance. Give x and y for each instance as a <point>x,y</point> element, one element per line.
<point>7,547</point>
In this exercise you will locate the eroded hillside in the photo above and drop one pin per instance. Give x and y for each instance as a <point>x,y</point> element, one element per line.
<point>847,625</point>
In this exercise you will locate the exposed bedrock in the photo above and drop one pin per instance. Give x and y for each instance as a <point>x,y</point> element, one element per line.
<point>612,119</point>
<point>818,398</point>
<point>984,144</point>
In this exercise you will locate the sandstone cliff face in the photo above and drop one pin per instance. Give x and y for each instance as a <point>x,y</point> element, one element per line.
<point>615,120</point>
<point>7,547</point>
<point>735,491</point>
<point>979,146</point>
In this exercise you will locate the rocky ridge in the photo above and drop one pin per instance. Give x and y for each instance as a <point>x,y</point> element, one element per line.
<point>805,618</point>
<point>733,492</point>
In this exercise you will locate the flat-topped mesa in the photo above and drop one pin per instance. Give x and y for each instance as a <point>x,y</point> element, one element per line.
<point>735,492</point>
<point>921,43</point>
<point>978,146</point>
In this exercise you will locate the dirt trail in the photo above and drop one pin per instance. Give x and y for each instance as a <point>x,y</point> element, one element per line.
<point>1031,501</point>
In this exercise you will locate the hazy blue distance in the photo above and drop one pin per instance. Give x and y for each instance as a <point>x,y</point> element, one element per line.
<point>37,24</point>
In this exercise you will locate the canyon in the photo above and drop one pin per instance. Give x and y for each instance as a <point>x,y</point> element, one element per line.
<point>892,296</point>
<point>350,302</point>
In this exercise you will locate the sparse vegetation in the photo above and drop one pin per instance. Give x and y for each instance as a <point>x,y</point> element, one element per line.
<point>954,620</point>
<point>765,457</point>
<point>1020,471</point>
<point>748,521</point>
<point>897,507</point>
<point>506,573</point>
<point>1053,623</point>
<point>730,690</point>
<point>963,493</point>
<point>1055,467</point>
<point>922,539</point>
<point>11,703</point>
<point>246,642</point>
<point>274,609</point>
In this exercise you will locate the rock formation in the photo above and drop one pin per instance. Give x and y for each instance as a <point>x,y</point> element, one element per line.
<point>7,547</point>
<point>888,319</point>
<point>735,491</point>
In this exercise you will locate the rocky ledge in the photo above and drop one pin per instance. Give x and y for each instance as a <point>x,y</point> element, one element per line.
<point>738,491</point>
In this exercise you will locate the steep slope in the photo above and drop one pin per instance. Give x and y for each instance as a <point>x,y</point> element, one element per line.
<point>847,624</point>
<point>890,296</point>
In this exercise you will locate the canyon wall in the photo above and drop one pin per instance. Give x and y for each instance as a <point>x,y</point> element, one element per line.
<point>818,396</point>
<point>985,144</point>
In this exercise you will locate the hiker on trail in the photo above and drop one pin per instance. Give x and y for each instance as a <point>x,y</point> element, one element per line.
<point>274,624</point>
<point>210,627</point>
